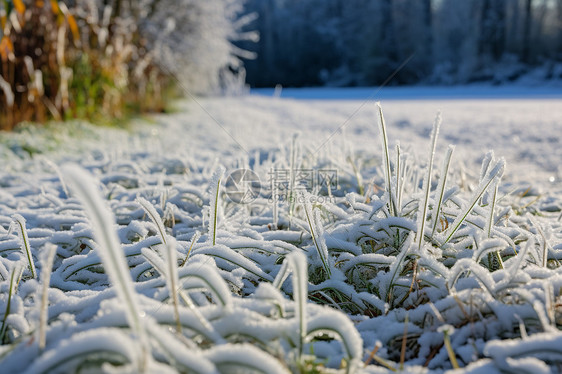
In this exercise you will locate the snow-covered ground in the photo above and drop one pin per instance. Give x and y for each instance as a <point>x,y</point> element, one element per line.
<point>486,273</point>
<point>526,131</point>
<point>536,90</point>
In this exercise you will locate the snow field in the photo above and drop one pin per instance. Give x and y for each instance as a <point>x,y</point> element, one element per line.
<point>315,280</point>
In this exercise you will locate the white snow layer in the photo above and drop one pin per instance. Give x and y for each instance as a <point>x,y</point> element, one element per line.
<point>498,287</point>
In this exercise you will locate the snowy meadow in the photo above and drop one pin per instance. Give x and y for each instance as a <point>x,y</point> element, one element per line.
<point>275,235</point>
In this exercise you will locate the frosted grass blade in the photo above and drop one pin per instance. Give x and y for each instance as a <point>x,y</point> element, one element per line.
<point>83,185</point>
<point>213,211</point>
<point>316,232</point>
<point>496,172</point>
<point>424,202</point>
<point>244,358</point>
<point>281,275</point>
<point>19,223</point>
<point>56,169</point>
<point>297,262</point>
<point>154,260</point>
<point>333,323</point>
<point>154,217</point>
<point>398,177</point>
<point>201,275</point>
<point>397,265</point>
<point>441,189</point>
<point>194,240</point>
<point>486,164</point>
<point>46,268</point>
<point>386,161</point>
<point>69,354</point>
<point>187,359</point>
<point>292,171</point>
<point>481,274</point>
<point>170,257</point>
<point>542,241</point>
<point>490,224</point>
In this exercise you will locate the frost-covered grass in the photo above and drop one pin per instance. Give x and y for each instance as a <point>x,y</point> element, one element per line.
<point>420,260</point>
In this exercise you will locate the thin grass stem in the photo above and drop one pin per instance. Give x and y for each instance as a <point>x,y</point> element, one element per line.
<point>424,202</point>
<point>386,162</point>
<point>19,223</point>
<point>214,207</point>
<point>441,189</point>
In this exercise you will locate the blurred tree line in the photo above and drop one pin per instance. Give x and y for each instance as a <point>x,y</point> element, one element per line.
<point>362,42</point>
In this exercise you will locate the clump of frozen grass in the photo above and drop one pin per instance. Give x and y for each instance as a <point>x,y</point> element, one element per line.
<point>15,278</point>
<point>494,174</point>
<point>326,323</point>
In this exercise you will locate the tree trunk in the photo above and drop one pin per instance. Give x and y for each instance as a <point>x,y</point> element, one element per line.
<point>491,41</point>
<point>498,40</point>
<point>559,24</point>
<point>428,37</point>
<point>528,14</point>
<point>388,37</point>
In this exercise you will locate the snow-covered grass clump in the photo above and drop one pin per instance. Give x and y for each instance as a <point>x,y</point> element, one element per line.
<point>134,258</point>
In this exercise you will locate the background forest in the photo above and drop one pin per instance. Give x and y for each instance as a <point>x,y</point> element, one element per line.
<point>361,42</point>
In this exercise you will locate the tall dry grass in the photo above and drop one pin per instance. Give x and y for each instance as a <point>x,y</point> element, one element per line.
<point>80,61</point>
